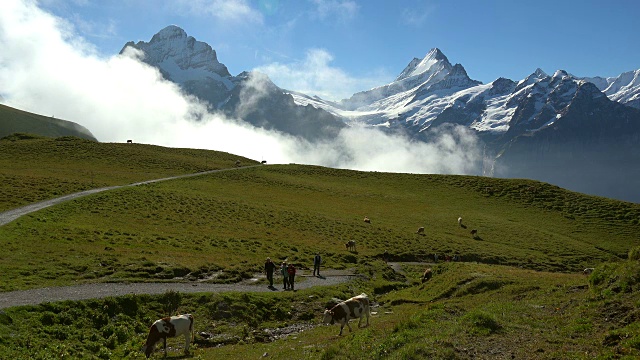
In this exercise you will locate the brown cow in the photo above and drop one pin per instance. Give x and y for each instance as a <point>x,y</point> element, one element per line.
<point>354,308</point>
<point>350,245</point>
<point>169,327</point>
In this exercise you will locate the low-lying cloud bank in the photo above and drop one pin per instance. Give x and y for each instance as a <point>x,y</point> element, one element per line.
<point>47,69</point>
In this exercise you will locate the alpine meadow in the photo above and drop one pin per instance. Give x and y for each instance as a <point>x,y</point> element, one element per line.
<point>516,290</point>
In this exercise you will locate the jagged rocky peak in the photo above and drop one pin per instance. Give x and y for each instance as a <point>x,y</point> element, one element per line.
<point>172,47</point>
<point>170,32</point>
<point>560,74</point>
<point>420,66</point>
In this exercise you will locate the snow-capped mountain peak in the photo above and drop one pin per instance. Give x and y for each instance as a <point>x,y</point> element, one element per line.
<point>181,58</point>
<point>420,66</point>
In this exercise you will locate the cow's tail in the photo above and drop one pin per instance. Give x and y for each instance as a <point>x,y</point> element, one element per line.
<point>192,328</point>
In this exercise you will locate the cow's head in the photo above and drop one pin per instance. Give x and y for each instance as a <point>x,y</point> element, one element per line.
<point>328,317</point>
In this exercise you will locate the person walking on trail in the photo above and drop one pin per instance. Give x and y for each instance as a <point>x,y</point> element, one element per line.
<point>285,275</point>
<point>317,260</point>
<point>269,268</point>
<point>292,275</point>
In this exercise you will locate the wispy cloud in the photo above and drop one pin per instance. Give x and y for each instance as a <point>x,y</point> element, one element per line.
<point>226,11</point>
<point>48,70</point>
<point>315,75</point>
<point>338,9</point>
<point>417,17</point>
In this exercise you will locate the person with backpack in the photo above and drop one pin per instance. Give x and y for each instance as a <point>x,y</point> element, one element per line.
<point>285,275</point>
<point>291,270</point>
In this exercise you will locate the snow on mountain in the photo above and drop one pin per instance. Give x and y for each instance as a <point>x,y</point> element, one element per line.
<point>249,96</point>
<point>624,88</point>
<point>181,58</point>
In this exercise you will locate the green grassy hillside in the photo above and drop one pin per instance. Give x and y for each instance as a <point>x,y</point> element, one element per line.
<point>517,292</point>
<point>38,168</point>
<point>17,121</point>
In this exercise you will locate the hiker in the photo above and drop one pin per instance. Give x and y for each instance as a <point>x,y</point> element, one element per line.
<point>317,260</point>
<point>269,267</point>
<point>291,270</point>
<point>285,275</point>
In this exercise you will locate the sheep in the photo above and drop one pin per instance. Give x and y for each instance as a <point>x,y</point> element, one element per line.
<point>420,230</point>
<point>587,271</point>
<point>366,219</point>
<point>474,233</point>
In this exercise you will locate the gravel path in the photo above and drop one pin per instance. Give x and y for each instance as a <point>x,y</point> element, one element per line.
<point>102,290</point>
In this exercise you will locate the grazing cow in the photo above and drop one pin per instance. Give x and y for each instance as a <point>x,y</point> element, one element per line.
<point>366,219</point>
<point>474,233</point>
<point>420,230</point>
<point>169,327</point>
<point>356,307</point>
<point>129,141</point>
<point>587,271</point>
<point>427,275</point>
<point>350,245</point>
<point>263,162</point>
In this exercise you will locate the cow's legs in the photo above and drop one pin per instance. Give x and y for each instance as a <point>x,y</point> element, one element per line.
<point>165,346</point>
<point>187,340</point>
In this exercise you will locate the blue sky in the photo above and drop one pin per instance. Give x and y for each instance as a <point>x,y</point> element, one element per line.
<point>336,47</point>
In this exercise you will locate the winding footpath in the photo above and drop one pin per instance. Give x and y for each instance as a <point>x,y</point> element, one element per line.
<point>102,290</point>
<point>11,215</point>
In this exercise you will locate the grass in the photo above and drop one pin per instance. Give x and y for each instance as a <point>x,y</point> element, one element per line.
<point>518,290</point>
<point>36,168</point>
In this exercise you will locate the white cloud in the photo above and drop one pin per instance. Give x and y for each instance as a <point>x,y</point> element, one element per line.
<point>236,11</point>
<point>45,69</point>
<point>315,75</point>
<point>417,17</point>
<point>338,9</point>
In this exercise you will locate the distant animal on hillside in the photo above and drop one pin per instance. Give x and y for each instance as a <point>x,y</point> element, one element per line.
<point>263,162</point>
<point>427,275</point>
<point>355,308</point>
<point>129,141</point>
<point>169,327</point>
<point>238,163</point>
<point>474,233</point>
<point>460,221</point>
<point>366,219</point>
<point>350,245</point>
<point>420,230</point>
<point>587,271</point>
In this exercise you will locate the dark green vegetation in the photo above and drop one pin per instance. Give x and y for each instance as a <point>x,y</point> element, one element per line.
<point>18,121</point>
<point>518,290</point>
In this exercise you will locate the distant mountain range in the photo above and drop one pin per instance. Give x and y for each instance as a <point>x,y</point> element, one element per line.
<point>577,133</point>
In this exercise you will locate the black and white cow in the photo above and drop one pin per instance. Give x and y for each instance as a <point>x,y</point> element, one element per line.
<point>169,327</point>
<point>354,308</point>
